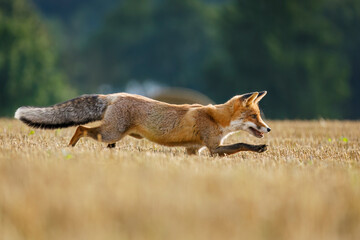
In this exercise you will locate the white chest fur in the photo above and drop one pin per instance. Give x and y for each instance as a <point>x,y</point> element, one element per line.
<point>233,127</point>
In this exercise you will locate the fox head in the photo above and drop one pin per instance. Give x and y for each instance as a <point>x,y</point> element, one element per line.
<point>246,114</point>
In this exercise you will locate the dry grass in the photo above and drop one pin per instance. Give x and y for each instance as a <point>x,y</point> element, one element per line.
<point>306,186</point>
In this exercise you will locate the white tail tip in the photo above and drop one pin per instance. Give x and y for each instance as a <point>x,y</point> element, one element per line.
<point>18,113</point>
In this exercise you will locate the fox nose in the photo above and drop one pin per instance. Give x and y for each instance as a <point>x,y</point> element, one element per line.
<point>268,129</point>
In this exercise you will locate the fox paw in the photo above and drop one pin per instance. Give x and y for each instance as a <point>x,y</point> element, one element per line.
<point>261,148</point>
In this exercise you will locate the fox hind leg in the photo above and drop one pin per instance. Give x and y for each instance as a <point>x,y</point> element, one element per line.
<point>100,134</point>
<point>111,145</point>
<point>82,131</point>
<point>79,133</point>
<point>192,150</point>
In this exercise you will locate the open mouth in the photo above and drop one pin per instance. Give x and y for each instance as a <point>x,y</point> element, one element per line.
<point>256,133</point>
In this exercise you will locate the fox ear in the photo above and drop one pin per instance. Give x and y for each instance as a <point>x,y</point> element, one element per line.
<point>260,96</point>
<point>249,98</point>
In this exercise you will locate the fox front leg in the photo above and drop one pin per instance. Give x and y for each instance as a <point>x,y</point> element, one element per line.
<point>238,147</point>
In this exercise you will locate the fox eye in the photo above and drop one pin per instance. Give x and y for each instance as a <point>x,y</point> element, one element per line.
<point>254,116</point>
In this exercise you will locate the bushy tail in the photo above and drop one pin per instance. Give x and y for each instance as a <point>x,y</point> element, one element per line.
<point>77,111</point>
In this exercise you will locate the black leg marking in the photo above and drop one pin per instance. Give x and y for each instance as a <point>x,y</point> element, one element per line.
<point>111,145</point>
<point>237,147</point>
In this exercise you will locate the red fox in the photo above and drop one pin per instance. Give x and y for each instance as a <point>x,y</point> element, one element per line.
<point>191,126</point>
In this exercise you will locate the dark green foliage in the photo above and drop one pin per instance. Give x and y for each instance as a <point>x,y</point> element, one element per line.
<point>305,53</point>
<point>289,48</point>
<point>27,60</point>
<point>294,49</point>
<point>143,39</point>
<point>345,15</point>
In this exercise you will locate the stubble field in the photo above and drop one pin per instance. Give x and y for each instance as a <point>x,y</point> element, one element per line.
<point>306,186</point>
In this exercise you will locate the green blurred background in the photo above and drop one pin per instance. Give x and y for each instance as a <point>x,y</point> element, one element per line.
<point>306,53</point>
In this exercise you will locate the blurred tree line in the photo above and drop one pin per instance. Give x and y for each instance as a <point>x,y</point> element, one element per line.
<point>305,53</point>
<point>28,70</point>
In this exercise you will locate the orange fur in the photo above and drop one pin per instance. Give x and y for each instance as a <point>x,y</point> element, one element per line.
<point>122,114</point>
<point>191,126</point>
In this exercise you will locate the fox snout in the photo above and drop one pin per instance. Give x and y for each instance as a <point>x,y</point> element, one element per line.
<point>258,129</point>
<point>264,129</point>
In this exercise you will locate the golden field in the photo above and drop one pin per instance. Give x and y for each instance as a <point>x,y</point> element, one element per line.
<point>306,186</point>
